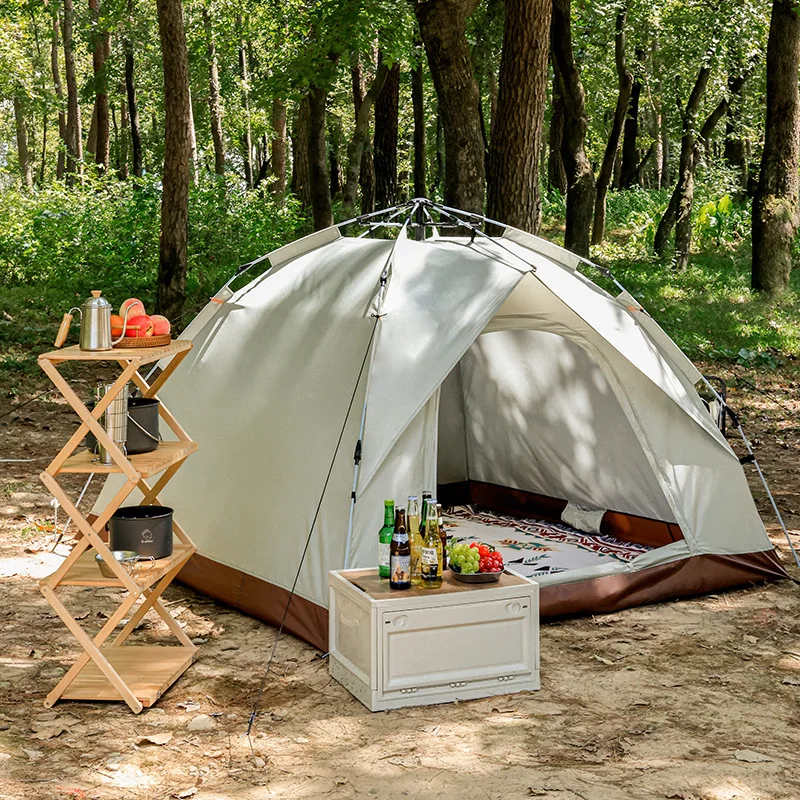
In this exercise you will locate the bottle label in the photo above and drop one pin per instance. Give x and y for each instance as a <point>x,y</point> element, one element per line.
<point>383,554</point>
<point>400,569</point>
<point>430,556</point>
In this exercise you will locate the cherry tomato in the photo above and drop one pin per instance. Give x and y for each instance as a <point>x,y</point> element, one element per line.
<point>483,550</point>
<point>474,544</point>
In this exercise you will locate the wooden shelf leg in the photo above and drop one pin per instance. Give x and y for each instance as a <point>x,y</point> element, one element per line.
<point>92,651</point>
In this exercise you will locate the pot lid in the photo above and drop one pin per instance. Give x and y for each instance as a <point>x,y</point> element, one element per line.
<point>95,301</point>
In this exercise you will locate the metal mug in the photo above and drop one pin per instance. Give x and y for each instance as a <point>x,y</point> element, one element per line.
<point>95,324</point>
<point>114,419</point>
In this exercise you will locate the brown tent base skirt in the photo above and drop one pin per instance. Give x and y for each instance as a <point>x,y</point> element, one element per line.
<point>685,578</point>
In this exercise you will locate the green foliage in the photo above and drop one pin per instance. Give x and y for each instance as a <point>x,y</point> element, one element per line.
<point>56,245</point>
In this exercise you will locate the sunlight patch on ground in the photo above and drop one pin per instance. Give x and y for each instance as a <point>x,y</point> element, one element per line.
<point>38,566</point>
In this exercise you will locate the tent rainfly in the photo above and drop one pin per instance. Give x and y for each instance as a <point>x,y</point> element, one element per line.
<point>488,367</point>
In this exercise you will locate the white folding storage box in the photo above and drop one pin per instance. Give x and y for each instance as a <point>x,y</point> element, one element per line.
<point>422,646</point>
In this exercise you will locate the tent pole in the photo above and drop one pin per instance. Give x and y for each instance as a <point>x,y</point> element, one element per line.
<point>752,458</point>
<point>356,468</point>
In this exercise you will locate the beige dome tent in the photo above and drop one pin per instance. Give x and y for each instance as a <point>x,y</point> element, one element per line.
<point>490,368</point>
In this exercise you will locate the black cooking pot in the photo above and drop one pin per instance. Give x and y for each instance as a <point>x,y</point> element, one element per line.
<point>147,530</point>
<point>142,435</point>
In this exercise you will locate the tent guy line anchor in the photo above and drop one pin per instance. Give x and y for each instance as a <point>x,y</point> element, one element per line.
<point>377,318</point>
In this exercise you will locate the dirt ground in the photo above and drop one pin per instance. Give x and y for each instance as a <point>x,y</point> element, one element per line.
<point>696,699</point>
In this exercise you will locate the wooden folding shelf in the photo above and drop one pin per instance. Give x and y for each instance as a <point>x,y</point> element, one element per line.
<point>139,675</point>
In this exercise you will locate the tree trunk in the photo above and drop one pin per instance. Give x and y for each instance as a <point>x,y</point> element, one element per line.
<point>101,49</point>
<point>513,175</point>
<point>23,154</point>
<point>580,177</point>
<point>442,25</point>
<point>247,137</point>
<point>362,104</point>
<point>91,136</point>
<point>679,210</point>
<point>122,153</point>
<point>385,140</point>
<point>74,137</point>
<point>775,213</point>
<point>439,174</point>
<point>194,161</point>
<point>301,170</point>
<point>214,101</point>
<point>278,148</point>
<point>556,174</point>
<point>172,261</point>
<point>62,119</point>
<point>630,154</point>
<point>734,153</point>
<point>133,110</point>
<point>420,156</point>
<point>624,83</point>
<point>318,160</point>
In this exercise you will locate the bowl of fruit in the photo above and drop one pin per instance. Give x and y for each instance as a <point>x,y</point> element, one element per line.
<point>472,562</point>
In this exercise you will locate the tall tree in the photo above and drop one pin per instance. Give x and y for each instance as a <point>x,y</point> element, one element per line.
<point>56,72</point>
<point>133,104</point>
<point>74,137</point>
<point>172,261</point>
<point>214,99</point>
<point>318,159</point>
<point>442,25</point>
<point>418,105</point>
<point>516,143</point>
<point>278,148</point>
<point>23,153</point>
<point>580,176</point>
<point>624,86</point>
<point>629,174</point>
<point>360,138</point>
<point>775,212</point>
<point>101,49</point>
<point>679,210</point>
<point>301,168</point>
<point>385,141</point>
<point>247,136</point>
<point>556,174</point>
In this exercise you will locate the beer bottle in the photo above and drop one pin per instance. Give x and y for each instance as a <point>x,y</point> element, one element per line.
<point>431,570</point>
<point>400,554</point>
<point>426,495</point>
<point>385,538</point>
<point>442,536</point>
<point>414,538</point>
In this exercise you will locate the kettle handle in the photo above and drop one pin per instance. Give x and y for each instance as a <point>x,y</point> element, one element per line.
<point>63,329</point>
<point>124,327</point>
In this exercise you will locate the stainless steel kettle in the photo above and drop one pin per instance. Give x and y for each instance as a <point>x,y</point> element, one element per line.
<point>95,324</point>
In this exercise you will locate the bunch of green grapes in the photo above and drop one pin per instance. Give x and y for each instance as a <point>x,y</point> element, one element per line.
<point>464,558</point>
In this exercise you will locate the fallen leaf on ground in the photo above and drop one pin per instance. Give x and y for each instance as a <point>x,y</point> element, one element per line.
<point>791,681</point>
<point>189,705</point>
<point>184,793</point>
<point>33,755</point>
<point>602,660</point>
<point>751,756</point>
<point>750,639</point>
<point>155,738</point>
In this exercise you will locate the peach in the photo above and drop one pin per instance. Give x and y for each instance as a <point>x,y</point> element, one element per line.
<point>134,307</point>
<point>116,325</point>
<point>139,327</point>
<point>161,325</point>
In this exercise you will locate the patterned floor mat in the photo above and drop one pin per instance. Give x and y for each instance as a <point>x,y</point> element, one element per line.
<point>536,547</point>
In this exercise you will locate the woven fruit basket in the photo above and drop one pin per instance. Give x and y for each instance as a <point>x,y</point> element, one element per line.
<point>144,341</point>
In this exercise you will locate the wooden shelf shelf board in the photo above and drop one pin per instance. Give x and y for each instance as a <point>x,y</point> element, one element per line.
<point>148,672</point>
<point>145,355</point>
<point>146,464</point>
<point>86,572</point>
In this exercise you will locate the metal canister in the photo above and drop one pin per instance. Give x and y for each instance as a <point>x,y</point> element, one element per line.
<point>114,419</point>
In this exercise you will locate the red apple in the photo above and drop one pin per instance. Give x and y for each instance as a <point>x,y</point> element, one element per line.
<point>161,325</point>
<point>116,325</point>
<point>139,327</point>
<point>134,307</point>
